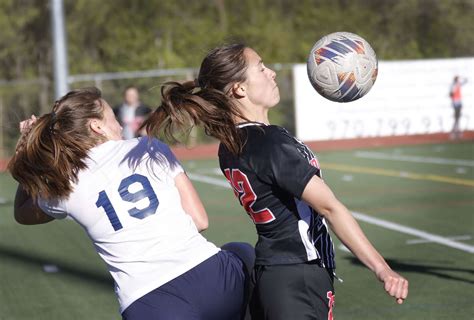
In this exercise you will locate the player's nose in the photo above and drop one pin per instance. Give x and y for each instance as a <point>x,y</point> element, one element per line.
<point>272,74</point>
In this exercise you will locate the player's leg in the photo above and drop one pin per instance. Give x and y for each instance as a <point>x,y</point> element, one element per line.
<point>299,291</point>
<point>246,253</point>
<point>221,293</point>
<point>160,305</point>
<point>213,290</point>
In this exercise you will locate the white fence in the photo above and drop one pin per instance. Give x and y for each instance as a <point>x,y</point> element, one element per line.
<point>409,97</point>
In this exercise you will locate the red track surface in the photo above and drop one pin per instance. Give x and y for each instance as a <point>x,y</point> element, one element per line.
<point>209,151</point>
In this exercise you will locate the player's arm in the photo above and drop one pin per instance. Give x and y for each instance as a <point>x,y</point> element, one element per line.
<point>26,211</point>
<point>191,202</point>
<point>341,221</point>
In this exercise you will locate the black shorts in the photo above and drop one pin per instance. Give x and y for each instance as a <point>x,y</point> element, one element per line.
<point>295,291</point>
<point>457,112</point>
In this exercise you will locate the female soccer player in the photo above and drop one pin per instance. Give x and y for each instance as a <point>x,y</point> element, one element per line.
<point>135,203</point>
<point>277,180</point>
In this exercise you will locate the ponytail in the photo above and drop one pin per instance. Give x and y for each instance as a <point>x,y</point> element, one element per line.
<point>184,105</point>
<point>205,101</point>
<point>50,154</point>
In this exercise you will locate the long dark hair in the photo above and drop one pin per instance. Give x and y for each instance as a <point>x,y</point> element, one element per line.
<point>49,156</point>
<point>205,101</point>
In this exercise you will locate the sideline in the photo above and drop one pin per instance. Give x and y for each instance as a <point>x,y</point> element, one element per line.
<point>408,158</point>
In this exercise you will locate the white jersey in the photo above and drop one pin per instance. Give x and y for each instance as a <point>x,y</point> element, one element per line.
<point>129,206</point>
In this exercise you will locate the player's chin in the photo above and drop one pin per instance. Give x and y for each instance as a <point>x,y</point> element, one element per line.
<point>276,98</point>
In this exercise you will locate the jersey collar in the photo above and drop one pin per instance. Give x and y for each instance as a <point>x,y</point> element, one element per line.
<point>251,123</point>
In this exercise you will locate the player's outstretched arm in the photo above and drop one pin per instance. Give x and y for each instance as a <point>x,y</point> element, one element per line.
<point>191,202</point>
<point>26,211</point>
<point>341,221</point>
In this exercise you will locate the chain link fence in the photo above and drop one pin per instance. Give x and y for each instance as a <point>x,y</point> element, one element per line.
<point>21,98</point>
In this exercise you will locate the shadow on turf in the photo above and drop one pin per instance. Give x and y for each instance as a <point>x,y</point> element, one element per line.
<point>64,269</point>
<point>4,203</point>
<point>423,269</point>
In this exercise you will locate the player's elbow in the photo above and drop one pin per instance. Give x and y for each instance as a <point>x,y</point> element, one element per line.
<point>330,209</point>
<point>202,224</point>
<point>30,216</point>
<point>21,218</point>
<point>326,211</point>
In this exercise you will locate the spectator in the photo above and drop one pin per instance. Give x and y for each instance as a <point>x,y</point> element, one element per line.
<point>131,113</point>
<point>456,102</point>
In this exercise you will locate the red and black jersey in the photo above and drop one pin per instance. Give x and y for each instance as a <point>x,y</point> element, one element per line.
<point>268,178</point>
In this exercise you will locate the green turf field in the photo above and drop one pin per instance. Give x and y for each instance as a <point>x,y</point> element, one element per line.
<point>421,196</point>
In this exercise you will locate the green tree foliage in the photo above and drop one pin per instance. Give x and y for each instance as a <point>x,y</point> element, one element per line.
<point>117,35</point>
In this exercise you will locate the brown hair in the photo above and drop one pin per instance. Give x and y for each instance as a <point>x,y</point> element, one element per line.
<point>53,151</point>
<point>205,101</point>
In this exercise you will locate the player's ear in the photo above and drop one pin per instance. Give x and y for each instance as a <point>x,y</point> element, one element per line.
<point>239,90</point>
<point>96,126</point>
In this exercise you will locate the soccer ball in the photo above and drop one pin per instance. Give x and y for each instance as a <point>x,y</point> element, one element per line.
<point>342,67</point>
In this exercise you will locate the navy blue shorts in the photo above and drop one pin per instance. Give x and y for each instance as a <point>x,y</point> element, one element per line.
<point>213,290</point>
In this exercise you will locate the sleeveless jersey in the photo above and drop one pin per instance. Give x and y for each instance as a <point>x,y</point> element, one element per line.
<point>128,204</point>
<point>268,178</point>
<point>456,92</point>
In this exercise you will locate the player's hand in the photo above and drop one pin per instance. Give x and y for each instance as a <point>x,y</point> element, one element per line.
<point>394,284</point>
<point>25,125</point>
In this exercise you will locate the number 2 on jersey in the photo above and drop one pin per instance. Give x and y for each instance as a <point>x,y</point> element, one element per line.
<point>145,192</point>
<point>243,190</point>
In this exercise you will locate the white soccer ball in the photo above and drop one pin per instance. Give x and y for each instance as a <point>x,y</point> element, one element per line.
<point>342,66</point>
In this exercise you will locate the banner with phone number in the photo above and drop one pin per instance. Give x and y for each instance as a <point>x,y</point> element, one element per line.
<point>408,97</point>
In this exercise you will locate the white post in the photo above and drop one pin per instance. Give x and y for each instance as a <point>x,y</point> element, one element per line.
<point>60,49</point>
<point>2,145</point>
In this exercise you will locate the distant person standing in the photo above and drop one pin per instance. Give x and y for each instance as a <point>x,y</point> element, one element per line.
<point>456,100</point>
<point>131,113</point>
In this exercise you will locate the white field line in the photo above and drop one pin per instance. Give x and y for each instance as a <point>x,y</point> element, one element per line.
<point>366,218</point>
<point>344,248</point>
<point>417,241</point>
<point>210,180</point>
<point>414,232</point>
<point>407,158</point>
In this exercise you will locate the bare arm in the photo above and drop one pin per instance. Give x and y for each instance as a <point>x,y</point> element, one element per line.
<point>191,202</point>
<point>321,198</point>
<point>26,211</point>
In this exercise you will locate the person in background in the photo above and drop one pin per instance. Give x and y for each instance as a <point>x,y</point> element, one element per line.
<point>456,102</point>
<point>131,113</point>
